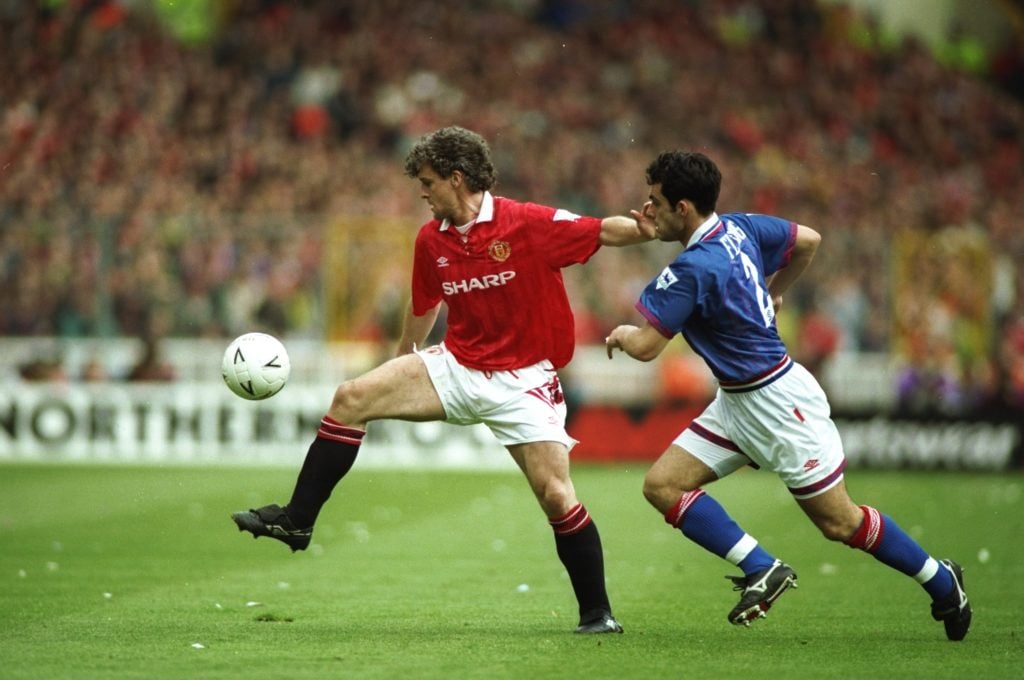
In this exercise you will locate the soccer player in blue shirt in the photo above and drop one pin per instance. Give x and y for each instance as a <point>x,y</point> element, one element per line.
<point>721,292</point>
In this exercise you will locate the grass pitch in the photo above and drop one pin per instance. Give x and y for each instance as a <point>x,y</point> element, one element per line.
<point>118,572</point>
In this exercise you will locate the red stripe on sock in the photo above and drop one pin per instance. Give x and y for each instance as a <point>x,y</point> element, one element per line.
<point>571,522</point>
<point>332,429</point>
<point>675,514</point>
<point>869,536</point>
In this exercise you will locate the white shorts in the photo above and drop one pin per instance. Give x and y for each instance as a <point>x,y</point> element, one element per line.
<point>785,427</point>
<point>520,406</point>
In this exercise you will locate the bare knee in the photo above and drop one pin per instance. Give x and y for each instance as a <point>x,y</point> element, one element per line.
<point>555,497</point>
<point>662,490</point>
<point>836,530</point>
<point>673,474</point>
<point>841,524</point>
<point>834,513</point>
<point>348,402</point>
<point>654,488</point>
<point>546,467</point>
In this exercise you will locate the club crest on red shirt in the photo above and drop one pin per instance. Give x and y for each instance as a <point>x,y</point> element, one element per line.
<point>499,251</point>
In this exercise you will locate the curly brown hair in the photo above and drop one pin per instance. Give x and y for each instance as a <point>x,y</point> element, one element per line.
<point>450,149</point>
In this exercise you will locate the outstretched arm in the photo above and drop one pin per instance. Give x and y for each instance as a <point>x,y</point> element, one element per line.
<point>807,241</point>
<point>626,231</point>
<point>415,329</point>
<point>643,343</point>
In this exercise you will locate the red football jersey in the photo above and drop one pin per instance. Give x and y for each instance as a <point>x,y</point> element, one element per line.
<point>502,282</point>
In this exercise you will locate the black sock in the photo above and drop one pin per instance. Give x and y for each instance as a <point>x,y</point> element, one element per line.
<point>330,457</point>
<point>579,547</point>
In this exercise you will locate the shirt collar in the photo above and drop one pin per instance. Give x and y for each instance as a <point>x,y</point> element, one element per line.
<point>486,212</point>
<point>704,229</point>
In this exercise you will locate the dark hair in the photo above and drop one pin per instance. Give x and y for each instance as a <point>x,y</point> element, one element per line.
<point>685,175</point>
<point>450,149</point>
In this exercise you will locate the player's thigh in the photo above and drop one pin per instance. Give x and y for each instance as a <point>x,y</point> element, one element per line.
<point>546,466</point>
<point>678,470</point>
<point>400,388</point>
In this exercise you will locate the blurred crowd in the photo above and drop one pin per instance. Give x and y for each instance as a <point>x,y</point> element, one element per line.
<point>159,183</point>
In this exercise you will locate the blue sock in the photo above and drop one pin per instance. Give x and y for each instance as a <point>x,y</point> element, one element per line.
<point>882,538</point>
<point>707,524</point>
<point>758,560</point>
<point>940,585</point>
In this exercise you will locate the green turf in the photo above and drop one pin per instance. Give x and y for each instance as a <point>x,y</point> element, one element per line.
<point>115,572</point>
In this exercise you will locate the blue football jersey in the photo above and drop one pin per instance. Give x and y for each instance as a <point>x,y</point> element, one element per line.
<point>715,293</point>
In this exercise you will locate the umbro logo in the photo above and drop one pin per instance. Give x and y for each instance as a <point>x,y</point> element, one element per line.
<point>442,261</point>
<point>811,464</point>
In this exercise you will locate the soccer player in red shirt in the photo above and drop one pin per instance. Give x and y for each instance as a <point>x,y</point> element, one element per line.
<point>496,263</point>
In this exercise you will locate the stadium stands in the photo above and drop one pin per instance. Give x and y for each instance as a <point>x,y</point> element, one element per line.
<point>154,186</point>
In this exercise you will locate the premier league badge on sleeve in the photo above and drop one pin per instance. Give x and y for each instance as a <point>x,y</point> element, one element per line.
<point>666,278</point>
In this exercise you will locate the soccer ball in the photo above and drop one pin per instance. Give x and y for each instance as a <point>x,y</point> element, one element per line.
<point>256,366</point>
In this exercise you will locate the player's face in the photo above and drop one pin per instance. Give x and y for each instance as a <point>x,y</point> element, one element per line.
<point>439,193</point>
<point>669,221</point>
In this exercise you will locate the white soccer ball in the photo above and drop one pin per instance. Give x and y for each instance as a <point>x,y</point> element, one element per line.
<point>256,366</point>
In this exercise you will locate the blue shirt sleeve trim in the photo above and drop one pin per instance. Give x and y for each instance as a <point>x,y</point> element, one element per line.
<point>653,320</point>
